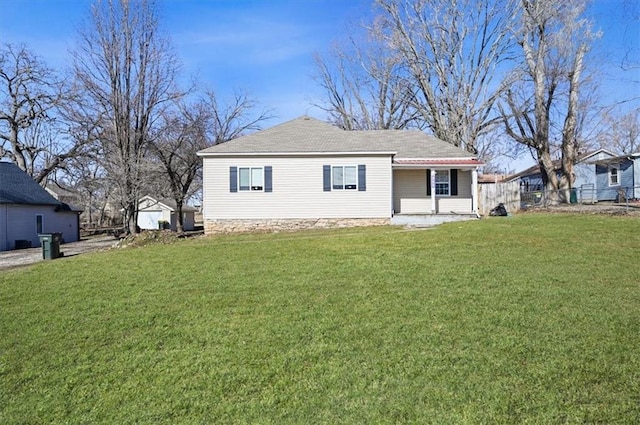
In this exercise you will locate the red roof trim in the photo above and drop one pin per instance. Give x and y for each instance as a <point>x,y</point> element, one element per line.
<point>470,161</point>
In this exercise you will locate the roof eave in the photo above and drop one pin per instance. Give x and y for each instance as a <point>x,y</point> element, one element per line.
<point>276,154</point>
<point>470,163</point>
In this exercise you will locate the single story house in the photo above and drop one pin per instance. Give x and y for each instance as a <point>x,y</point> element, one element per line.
<point>161,213</point>
<point>308,173</point>
<point>27,210</point>
<point>584,169</point>
<point>618,178</point>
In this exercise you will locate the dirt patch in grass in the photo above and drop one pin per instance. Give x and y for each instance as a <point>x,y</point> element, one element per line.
<point>154,237</point>
<point>603,208</point>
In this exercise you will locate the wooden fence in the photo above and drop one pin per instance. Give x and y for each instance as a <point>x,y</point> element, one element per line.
<point>492,194</point>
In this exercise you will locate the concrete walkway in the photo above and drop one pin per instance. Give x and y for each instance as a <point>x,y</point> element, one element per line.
<point>24,257</point>
<point>429,220</point>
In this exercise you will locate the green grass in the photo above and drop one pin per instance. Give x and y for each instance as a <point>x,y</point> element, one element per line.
<point>527,319</point>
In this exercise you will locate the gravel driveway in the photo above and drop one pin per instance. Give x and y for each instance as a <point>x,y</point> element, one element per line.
<point>23,257</point>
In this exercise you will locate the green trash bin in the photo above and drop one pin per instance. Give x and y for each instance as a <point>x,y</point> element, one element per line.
<point>50,245</point>
<point>573,197</point>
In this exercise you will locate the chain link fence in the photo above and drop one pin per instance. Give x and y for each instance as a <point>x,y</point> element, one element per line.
<point>584,195</point>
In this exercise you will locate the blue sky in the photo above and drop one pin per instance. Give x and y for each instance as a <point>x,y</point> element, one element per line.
<point>266,48</point>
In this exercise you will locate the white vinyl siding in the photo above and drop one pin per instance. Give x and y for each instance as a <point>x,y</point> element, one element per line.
<point>453,205</point>
<point>410,192</point>
<point>297,189</point>
<point>464,184</point>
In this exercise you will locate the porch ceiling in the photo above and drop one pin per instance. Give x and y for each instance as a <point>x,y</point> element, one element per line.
<point>469,163</point>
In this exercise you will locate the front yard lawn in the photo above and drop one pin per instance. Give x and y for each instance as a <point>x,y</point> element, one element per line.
<point>525,319</point>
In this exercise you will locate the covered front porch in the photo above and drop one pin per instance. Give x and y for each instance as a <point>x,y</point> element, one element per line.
<point>428,189</point>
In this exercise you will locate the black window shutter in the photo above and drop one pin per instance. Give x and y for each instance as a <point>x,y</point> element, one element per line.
<point>233,179</point>
<point>362,178</point>
<point>326,177</point>
<point>428,182</point>
<point>268,171</point>
<point>454,182</point>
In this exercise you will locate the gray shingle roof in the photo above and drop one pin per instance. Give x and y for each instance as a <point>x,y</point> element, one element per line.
<point>309,135</point>
<point>17,187</point>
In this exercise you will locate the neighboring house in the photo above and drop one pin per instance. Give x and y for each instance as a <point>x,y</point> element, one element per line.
<point>618,178</point>
<point>153,211</point>
<point>584,169</point>
<point>307,173</point>
<point>27,209</point>
<point>63,194</point>
<point>492,178</point>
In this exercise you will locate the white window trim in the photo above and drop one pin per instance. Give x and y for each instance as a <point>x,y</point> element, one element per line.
<point>250,168</point>
<point>617,176</point>
<point>355,188</point>
<point>435,186</point>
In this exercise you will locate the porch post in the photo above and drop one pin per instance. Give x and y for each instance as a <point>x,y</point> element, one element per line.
<point>474,191</point>
<point>432,178</point>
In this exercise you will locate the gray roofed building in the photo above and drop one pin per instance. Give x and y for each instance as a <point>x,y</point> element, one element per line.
<point>27,210</point>
<point>306,173</point>
<point>152,211</point>
<point>17,187</point>
<point>307,135</point>
<point>172,205</point>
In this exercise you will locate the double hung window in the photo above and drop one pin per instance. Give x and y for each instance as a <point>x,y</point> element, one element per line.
<point>614,176</point>
<point>250,178</point>
<point>344,177</point>
<point>443,182</point>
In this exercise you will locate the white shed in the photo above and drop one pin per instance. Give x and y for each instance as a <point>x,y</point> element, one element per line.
<point>161,213</point>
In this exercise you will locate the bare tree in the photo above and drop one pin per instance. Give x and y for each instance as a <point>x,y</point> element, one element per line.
<point>182,134</point>
<point>554,38</point>
<point>364,87</point>
<point>190,128</point>
<point>31,94</point>
<point>234,118</point>
<point>622,133</point>
<point>127,71</point>
<point>452,51</point>
<point>86,177</point>
<point>630,17</point>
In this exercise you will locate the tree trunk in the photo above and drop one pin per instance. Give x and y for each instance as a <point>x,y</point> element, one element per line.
<point>179,218</point>
<point>549,177</point>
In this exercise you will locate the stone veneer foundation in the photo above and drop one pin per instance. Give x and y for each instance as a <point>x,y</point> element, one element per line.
<point>213,227</point>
